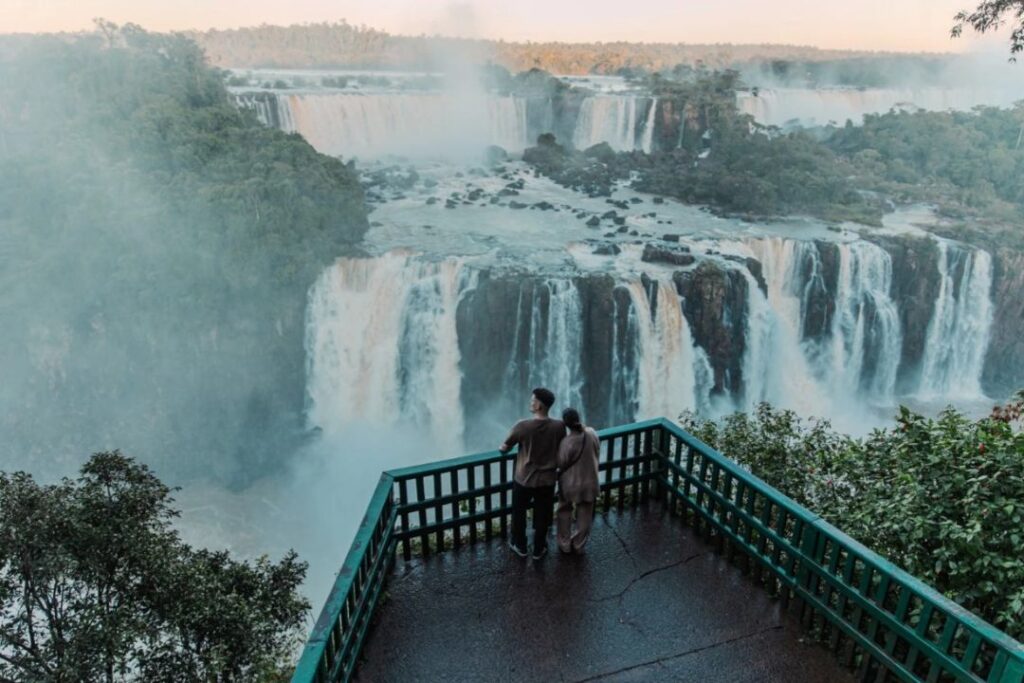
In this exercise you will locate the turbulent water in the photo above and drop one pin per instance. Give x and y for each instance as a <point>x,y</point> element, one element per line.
<point>821,106</point>
<point>478,283</point>
<point>625,122</point>
<point>430,124</point>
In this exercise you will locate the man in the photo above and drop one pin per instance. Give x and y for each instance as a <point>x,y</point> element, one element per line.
<point>538,439</point>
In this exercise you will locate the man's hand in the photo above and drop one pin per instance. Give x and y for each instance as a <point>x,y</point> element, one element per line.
<point>503,448</point>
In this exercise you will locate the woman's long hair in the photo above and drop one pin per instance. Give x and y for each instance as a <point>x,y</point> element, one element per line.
<point>571,418</point>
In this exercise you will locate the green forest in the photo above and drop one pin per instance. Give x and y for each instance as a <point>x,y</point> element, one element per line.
<point>161,243</point>
<point>968,164</point>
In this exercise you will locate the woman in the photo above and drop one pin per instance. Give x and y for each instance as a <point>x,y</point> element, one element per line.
<point>577,482</point>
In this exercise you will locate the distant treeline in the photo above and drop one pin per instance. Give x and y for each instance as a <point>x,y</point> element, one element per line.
<point>340,44</point>
<point>158,245</point>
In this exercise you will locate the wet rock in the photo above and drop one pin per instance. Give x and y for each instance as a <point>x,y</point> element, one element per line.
<point>715,305</point>
<point>495,155</point>
<point>602,152</point>
<point>431,201</point>
<point>544,206</point>
<point>449,204</point>
<point>593,222</point>
<point>619,220</point>
<point>623,229</point>
<point>635,200</point>
<point>607,215</point>
<point>669,255</point>
<point>658,200</point>
<point>516,205</point>
<point>1003,373</point>
<point>506,192</point>
<point>607,249</point>
<point>671,237</point>
<point>752,265</point>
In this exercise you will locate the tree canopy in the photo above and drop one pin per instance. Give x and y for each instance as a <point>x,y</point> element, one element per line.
<point>991,15</point>
<point>96,585</point>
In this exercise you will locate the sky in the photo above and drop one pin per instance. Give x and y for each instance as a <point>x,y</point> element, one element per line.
<point>896,25</point>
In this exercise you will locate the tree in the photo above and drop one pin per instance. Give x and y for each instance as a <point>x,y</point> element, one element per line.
<point>96,585</point>
<point>989,16</point>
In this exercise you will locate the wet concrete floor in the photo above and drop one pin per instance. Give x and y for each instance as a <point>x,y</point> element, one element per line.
<point>648,601</point>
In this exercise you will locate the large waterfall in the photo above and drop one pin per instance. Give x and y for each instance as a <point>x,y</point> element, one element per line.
<point>672,374</point>
<point>398,338</point>
<point>440,124</point>
<point>409,124</point>
<point>958,332</point>
<point>625,122</point>
<point>382,346</point>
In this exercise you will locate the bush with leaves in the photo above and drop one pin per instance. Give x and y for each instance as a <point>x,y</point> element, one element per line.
<point>96,585</point>
<point>941,497</point>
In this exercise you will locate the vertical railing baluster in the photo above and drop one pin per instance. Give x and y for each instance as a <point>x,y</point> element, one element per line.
<point>677,459</point>
<point>453,476</point>
<point>438,512</point>
<point>639,490</point>
<point>623,456</point>
<point>488,502</point>
<point>403,501</point>
<point>421,498</point>
<point>503,476</point>
<point>609,455</point>
<point>471,483</point>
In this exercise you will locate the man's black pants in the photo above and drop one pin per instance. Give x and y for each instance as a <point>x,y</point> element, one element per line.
<point>543,500</point>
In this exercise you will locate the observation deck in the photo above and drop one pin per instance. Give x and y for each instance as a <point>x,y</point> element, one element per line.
<point>695,571</point>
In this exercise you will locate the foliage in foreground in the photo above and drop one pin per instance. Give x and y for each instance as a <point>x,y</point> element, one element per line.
<point>943,498</point>
<point>95,585</point>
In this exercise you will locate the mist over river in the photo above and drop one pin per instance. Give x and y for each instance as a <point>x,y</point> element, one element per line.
<point>479,279</point>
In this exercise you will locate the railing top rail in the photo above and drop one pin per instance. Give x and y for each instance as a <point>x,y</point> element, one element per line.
<point>403,473</point>
<point>733,468</point>
<point>869,556</point>
<point>313,651</point>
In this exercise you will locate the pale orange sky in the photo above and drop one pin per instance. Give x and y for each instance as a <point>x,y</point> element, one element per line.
<point>904,25</point>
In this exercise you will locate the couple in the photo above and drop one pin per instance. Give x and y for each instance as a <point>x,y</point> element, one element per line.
<point>548,455</point>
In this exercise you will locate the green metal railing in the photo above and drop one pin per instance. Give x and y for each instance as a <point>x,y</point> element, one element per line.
<point>873,614</point>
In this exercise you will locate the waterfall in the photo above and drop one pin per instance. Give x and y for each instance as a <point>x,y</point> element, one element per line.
<point>615,119</point>
<point>856,352</point>
<point>554,357</point>
<point>549,317</point>
<point>647,139</point>
<point>270,109</point>
<point>410,124</point>
<point>672,374</point>
<point>381,346</point>
<point>958,332</point>
<point>819,106</point>
<point>866,340</point>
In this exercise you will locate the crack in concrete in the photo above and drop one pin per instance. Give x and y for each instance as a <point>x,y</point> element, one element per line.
<point>622,542</point>
<point>644,575</point>
<point>661,660</point>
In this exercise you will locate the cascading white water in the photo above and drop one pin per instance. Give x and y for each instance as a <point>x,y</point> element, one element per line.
<point>553,360</point>
<point>860,354</point>
<point>614,119</point>
<point>865,326</point>
<point>382,347</point>
<point>819,106</point>
<point>958,333</point>
<point>673,374</point>
<point>416,124</point>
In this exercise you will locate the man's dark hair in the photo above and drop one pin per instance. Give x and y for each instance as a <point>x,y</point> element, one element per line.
<point>544,396</point>
<point>571,418</point>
